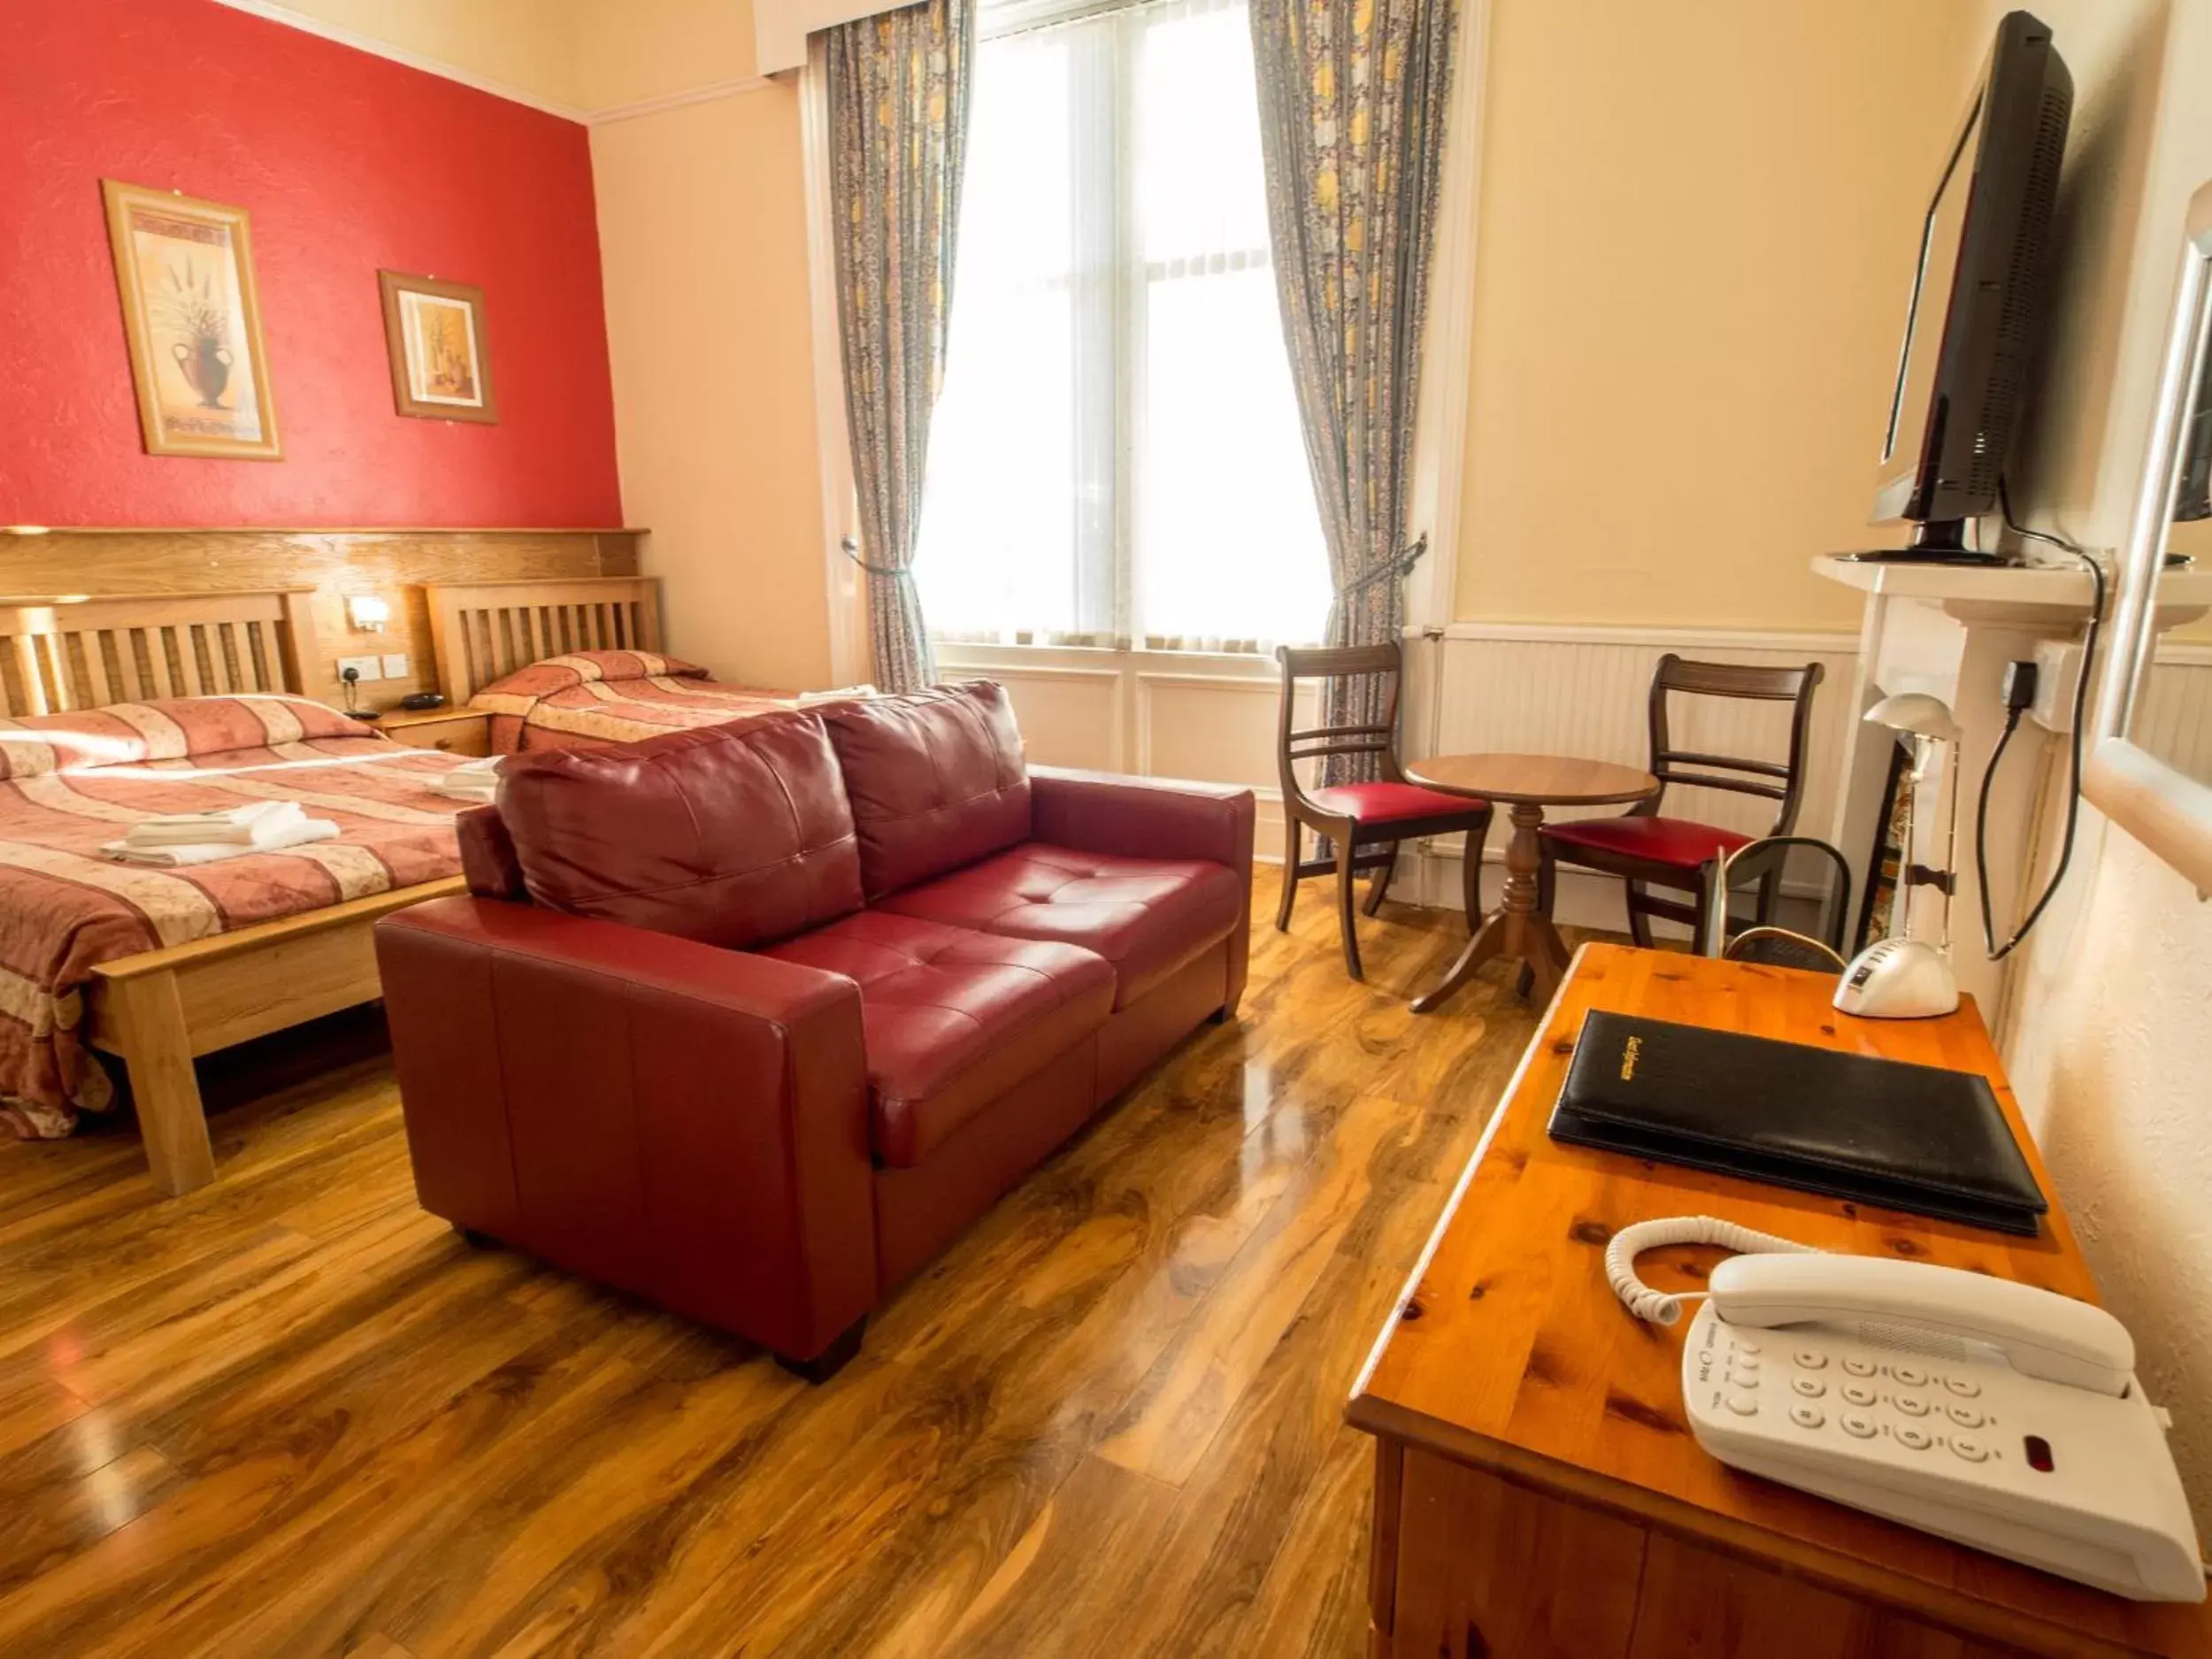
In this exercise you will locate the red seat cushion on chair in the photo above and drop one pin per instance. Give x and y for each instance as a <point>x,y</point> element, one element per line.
<point>1147,916</point>
<point>1678,842</point>
<point>1382,802</point>
<point>952,1018</point>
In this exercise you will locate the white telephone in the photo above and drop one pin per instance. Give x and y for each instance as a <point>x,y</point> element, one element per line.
<point>1993,1414</point>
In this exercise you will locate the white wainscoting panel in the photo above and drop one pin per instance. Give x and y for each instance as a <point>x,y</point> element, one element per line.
<point>2175,723</point>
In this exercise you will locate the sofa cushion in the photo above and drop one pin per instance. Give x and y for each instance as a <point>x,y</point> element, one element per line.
<point>1146,916</point>
<point>732,835</point>
<point>935,779</point>
<point>952,1018</point>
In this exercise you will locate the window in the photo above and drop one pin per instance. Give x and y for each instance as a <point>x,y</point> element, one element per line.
<point>1116,456</point>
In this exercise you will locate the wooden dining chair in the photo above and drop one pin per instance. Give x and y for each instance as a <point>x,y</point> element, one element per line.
<point>1646,848</point>
<point>1363,822</point>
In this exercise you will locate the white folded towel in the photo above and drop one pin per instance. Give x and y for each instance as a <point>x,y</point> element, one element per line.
<point>285,836</point>
<point>476,780</point>
<point>247,826</point>
<point>841,694</point>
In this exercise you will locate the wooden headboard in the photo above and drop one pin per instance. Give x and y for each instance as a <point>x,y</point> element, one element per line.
<point>71,652</point>
<point>485,630</point>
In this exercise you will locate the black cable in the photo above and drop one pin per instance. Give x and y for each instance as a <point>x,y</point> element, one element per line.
<point>1998,953</point>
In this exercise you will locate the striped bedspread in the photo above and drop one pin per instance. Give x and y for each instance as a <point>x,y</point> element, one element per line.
<point>65,907</point>
<point>611,697</point>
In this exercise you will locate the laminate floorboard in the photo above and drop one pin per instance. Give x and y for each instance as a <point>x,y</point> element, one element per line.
<point>290,1414</point>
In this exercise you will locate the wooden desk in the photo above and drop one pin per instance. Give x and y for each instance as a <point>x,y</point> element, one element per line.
<point>1537,1489</point>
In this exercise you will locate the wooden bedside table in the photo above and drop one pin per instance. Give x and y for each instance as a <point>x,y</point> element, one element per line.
<point>456,731</point>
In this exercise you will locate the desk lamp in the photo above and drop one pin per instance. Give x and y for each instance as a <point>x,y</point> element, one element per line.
<point>1899,978</point>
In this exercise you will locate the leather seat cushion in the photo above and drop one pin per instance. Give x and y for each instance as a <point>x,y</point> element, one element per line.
<point>952,1018</point>
<point>1385,802</point>
<point>1149,917</point>
<point>732,835</point>
<point>1678,842</point>
<point>936,779</point>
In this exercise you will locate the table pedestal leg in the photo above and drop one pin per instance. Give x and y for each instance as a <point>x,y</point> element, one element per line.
<point>1516,929</point>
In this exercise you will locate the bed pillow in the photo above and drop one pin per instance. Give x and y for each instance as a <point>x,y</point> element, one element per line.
<point>549,674</point>
<point>167,728</point>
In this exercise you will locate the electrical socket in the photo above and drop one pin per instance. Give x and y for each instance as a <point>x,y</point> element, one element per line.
<point>2058,674</point>
<point>366,668</point>
<point>395,666</point>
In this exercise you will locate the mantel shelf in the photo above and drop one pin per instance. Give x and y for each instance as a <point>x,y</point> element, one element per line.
<point>2020,594</point>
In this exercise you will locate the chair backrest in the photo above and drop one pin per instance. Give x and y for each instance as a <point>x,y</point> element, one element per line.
<point>1818,904</point>
<point>1780,782</point>
<point>1335,662</point>
<point>1779,948</point>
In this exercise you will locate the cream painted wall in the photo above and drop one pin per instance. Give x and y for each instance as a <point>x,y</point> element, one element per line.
<point>1696,231</point>
<point>632,50</point>
<point>528,45</point>
<point>2108,1032</point>
<point>703,237</point>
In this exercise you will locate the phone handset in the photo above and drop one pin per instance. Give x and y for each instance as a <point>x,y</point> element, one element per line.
<point>2041,1332</point>
<point>1776,1281</point>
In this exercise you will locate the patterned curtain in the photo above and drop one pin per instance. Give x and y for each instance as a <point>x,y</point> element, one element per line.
<point>898,107</point>
<point>1352,103</point>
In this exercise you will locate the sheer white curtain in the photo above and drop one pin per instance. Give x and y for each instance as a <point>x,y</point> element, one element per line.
<point>1116,457</point>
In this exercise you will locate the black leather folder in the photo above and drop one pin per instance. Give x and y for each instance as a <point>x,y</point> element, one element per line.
<point>1914,1138</point>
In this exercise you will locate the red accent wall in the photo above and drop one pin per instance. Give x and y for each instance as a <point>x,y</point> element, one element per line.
<point>348,163</point>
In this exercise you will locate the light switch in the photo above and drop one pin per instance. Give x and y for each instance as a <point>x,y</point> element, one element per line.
<point>395,666</point>
<point>367,667</point>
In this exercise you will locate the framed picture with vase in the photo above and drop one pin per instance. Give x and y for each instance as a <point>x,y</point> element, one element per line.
<point>193,321</point>
<point>434,332</point>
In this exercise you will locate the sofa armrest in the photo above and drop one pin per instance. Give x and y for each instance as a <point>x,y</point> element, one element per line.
<point>1155,818</point>
<point>686,1122</point>
<point>1142,818</point>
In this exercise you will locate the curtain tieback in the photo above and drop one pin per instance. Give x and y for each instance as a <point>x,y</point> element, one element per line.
<point>903,573</point>
<point>1395,568</point>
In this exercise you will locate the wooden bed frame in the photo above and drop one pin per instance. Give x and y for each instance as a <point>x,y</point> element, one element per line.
<point>160,1008</point>
<point>483,631</point>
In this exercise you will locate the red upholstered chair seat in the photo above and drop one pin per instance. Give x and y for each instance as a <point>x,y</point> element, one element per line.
<point>952,1018</point>
<point>1382,803</point>
<point>1148,917</point>
<point>1678,841</point>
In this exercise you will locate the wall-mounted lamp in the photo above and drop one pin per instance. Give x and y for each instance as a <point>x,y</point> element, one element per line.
<point>365,613</point>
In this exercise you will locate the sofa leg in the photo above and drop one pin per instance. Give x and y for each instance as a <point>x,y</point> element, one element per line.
<point>832,1359</point>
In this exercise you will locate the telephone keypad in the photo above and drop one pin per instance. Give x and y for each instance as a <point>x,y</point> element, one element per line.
<point>1911,1406</point>
<point>1965,1387</point>
<point>1806,1416</point>
<point>1858,1425</point>
<point>1743,1405</point>
<point>1967,1446</point>
<point>1859,1367</point>
<point>1911,1376</point>
<point>1966,1417</point>
<point>1914,1440</point>
<point>1858,1393</point>
<point>1863,1425</point>
<point>1811,1358</point>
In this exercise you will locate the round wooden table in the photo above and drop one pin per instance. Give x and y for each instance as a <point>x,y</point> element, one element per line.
<point>1528,784</point>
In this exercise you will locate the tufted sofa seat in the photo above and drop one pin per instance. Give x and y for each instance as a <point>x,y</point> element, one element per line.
<point>752,1019</point>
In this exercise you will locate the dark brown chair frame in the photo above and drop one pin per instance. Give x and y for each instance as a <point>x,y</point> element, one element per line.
<point>1358,846</point>
<point>1781,782</point>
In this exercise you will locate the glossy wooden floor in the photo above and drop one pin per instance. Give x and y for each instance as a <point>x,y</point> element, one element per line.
<point>290,1414</point>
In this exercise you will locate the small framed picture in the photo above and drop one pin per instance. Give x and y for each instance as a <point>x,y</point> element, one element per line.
<point>441,368</point>
<point>193,321</point>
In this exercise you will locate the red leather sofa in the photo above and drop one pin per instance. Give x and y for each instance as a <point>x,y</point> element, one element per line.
<point>752,1019</point>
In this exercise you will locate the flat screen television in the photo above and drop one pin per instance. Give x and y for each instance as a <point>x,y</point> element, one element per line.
<point>1971,327</point>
